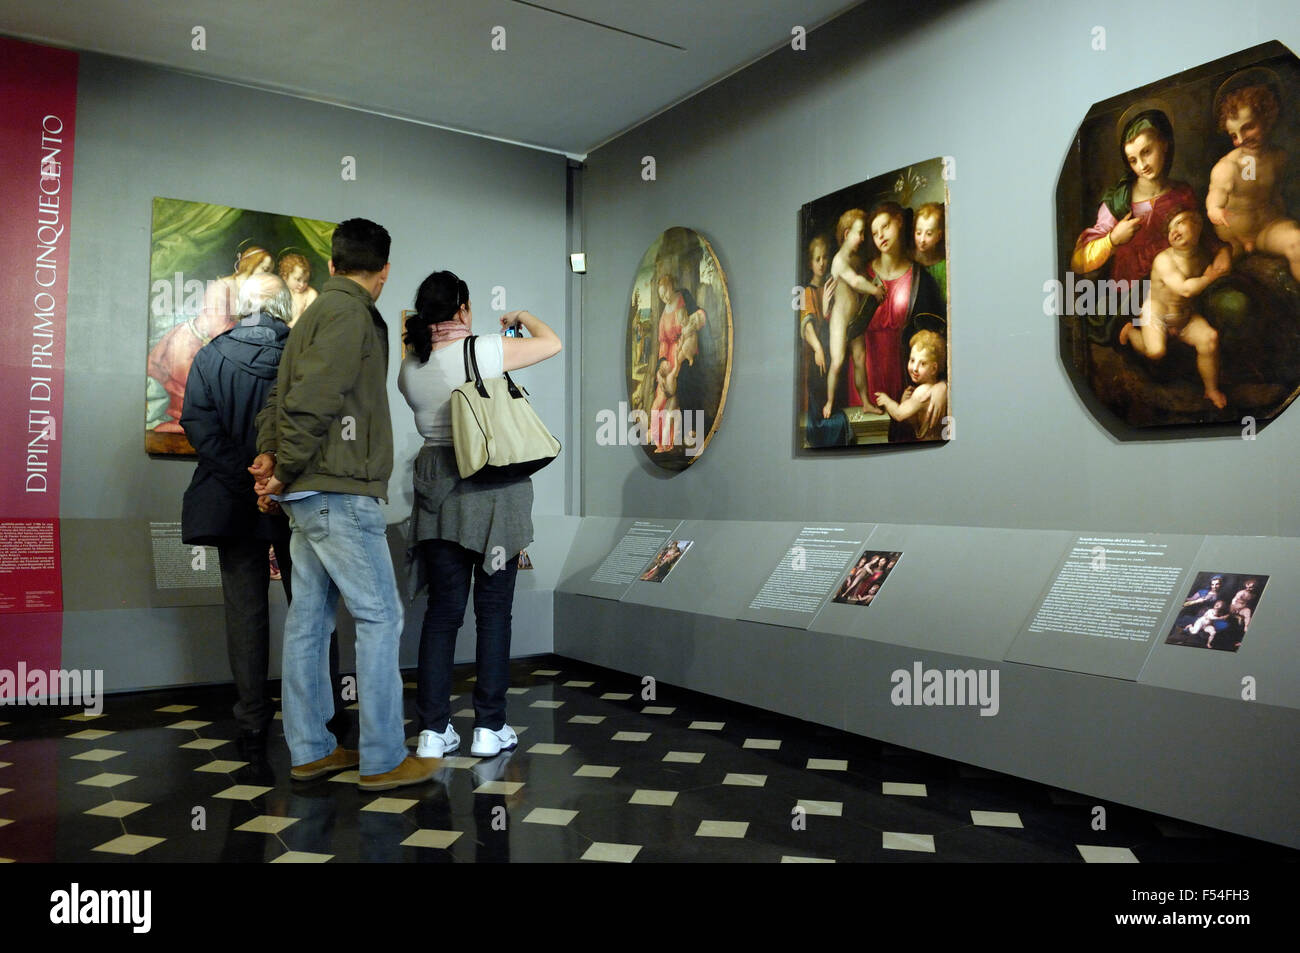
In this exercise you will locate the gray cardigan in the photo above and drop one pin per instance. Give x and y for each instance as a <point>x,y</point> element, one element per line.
<point>485,516</point>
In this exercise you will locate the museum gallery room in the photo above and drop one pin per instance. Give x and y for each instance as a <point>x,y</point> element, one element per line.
<point>757,432</point>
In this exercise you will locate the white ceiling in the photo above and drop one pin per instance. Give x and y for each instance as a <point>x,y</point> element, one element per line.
<point>573,74</point>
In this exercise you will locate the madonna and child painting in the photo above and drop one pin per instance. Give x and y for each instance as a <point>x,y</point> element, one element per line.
<point>679,342</point>
<point>1179,246</point>
<point>872,313</point>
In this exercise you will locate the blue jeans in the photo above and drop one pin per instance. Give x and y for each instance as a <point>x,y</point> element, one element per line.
<point>449,567</point>
<point>340,546</point>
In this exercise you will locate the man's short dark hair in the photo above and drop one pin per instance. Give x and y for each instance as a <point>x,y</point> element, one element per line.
<point>359,245</point>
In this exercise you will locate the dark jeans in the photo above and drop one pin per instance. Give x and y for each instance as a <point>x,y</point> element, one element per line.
<point>245,586</point>
<point>449,567</point>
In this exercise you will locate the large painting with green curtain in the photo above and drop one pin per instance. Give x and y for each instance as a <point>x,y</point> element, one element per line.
<point>200,255</point>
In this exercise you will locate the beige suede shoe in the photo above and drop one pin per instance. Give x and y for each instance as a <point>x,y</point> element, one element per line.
<point>411,771</point>
<point>336,760</point>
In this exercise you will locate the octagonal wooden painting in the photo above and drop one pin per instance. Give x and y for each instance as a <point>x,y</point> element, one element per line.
<point>1179,248</point>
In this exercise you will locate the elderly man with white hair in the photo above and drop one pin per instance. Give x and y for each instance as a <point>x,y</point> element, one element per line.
<point>227,386</point>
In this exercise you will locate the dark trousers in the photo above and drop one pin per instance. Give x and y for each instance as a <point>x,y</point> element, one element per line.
<point>449,567</point>
<point>245,586</point>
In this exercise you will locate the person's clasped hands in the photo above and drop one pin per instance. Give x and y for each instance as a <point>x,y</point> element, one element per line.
<point>265,483</point>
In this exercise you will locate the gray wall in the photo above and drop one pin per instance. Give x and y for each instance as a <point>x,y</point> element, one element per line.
<point>1001,86</point>
<point>493,213</point>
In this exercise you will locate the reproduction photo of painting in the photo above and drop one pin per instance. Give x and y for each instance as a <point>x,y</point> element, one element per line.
<point>864,580</point>
<point>200,255</point>
<point>666,559</point>
<point>1179,247</point>
<point>872,335</point>
<point>679,341</point>
<point>1217,611</point>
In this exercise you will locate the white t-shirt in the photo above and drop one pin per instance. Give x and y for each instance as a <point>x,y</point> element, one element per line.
<point>427,387</point>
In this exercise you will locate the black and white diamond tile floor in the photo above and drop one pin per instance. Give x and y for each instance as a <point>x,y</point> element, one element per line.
<point>600,774</point>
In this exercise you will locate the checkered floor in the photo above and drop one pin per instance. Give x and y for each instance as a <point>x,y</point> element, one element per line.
<point>600,774</point>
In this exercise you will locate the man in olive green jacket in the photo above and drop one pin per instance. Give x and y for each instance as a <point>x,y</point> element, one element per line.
<point>326,443</point>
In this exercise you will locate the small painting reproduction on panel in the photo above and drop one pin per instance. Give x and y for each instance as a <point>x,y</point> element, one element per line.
<point>862,584</point>
<point>200,255</point>
<point>666,559</point>
<point>1218,610</point>
<point>871,311</point>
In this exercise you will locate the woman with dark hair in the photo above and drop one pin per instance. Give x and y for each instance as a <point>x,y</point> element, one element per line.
<point>910,303</point>
<point>1133,219</point>
<point>464,528</point>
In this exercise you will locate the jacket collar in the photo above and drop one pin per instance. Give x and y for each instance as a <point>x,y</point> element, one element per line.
<point>348,286</point>
<point>260,328</point>
<point>260,320</point>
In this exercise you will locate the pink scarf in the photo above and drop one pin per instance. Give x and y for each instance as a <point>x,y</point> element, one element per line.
<point>445,331</point>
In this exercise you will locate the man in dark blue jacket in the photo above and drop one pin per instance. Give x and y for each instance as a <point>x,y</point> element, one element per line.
<point>227,387</point>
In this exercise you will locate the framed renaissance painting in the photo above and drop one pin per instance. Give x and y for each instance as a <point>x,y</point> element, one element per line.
<point>678,354</point>
<point>200,255</point>
<point>871,313</point>
<point>1179,248</point>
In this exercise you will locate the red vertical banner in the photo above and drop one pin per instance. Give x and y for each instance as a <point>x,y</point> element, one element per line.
<point>38,103</point>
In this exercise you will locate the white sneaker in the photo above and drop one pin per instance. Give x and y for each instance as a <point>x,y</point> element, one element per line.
<point>435,745</point>
<point>488,743</point>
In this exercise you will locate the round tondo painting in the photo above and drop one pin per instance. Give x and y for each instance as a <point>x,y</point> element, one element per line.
<point>678,349</point>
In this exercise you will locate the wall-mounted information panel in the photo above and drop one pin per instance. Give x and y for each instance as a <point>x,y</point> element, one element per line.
<point>1105,604</point>
<point>609,554</point>
<point>805,575</point>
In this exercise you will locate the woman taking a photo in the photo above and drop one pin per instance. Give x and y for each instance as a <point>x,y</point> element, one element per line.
<point>464,528</point>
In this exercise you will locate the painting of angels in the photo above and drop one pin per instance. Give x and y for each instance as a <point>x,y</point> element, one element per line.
<point>200,256</point>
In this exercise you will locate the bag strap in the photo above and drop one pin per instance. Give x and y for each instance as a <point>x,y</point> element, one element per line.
<point>512,387</point>
<point>472,373</point>
<point>471,367</point>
